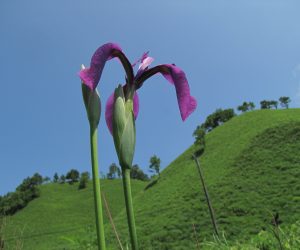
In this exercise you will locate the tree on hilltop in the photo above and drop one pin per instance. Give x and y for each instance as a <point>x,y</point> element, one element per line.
<point>114,171</point>
<point>137,173</point>
<point>265,104</point>
<point>243,108</point>
<point>251,105</point>
<point>46,179</point>
<point>217,118</point>
<point>62,179</point>
<point>155,164</point>
<point>199,135</point>
<point>55,178</point>
<point>72,176</point>
<point>37,179</point>
<point>284,101</point>
<point>246,106</point>
<point>274,104</point>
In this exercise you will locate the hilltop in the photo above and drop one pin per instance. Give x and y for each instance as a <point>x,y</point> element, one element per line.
<point>252,168</point>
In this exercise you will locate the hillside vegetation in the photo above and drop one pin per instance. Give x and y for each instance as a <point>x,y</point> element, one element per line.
<point>252,168</point>
<point>63,212</point>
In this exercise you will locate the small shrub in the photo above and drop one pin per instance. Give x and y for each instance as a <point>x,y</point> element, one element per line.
<point>84,179</point>
<point>72,176</point>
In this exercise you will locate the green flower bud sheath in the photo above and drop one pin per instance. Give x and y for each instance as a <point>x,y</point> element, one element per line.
<point>93,108</point>
<point>124,139</point>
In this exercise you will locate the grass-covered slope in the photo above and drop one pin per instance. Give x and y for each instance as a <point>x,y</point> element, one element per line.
<point>62,211</point>
<point>264,179</point>
<point>251,166</point>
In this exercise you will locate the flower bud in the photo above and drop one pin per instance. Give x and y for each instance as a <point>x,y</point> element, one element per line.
<point>123,128</point>
<point>92,104</point>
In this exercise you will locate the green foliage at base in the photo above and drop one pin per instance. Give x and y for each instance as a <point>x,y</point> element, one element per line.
<point>264,240</point>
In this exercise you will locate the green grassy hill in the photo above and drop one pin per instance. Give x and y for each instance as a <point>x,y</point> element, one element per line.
<point>252,168</point>
<point>62,211</point>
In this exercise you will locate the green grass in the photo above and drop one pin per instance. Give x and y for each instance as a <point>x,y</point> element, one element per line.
<point>265,179</point>
<point>251,165</point>
<point>63,211</point>
<point>289,239</point>
<point>165,213</point>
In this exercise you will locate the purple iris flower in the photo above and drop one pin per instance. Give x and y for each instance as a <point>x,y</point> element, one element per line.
<point>91,77</point>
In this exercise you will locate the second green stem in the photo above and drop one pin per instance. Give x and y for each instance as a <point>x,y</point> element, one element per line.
<point>129,208</point>
<point>97,192</point>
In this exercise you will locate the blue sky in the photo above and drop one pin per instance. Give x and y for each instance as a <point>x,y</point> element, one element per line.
<point>231,51</point>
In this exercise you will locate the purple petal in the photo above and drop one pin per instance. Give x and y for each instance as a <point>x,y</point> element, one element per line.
<point>136,105</point>
<point>91,76</point>
<point>145,55</point>
<point>187,103</point>
<point>146,62</point>
<point>144,66</point>
<point>110,107</point>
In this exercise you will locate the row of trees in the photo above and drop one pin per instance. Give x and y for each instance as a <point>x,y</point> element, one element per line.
<point>72,177</point>
<point>266,104</point>
<point>29,188</point>
<point>136,172</point>
<point>114,172</point>
<point>221,116</point>
<point>217,118</point>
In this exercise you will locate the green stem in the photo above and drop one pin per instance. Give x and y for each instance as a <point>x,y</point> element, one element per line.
<point>96,185</point>
<point>129,208</point>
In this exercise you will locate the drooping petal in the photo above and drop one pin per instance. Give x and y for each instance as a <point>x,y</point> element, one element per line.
<point>187,103</point>
<point>110,107</point>
<point>91,76</point>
